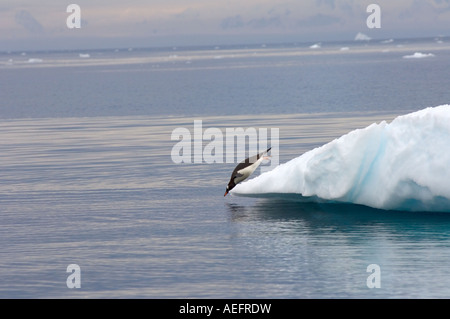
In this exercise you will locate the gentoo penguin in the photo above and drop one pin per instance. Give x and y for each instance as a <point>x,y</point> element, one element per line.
<point>244,169</point>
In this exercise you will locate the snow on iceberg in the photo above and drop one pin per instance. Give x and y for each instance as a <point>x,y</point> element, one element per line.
<point>403,165</point>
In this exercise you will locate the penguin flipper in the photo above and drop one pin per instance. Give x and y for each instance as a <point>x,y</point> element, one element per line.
<point>237,175</point>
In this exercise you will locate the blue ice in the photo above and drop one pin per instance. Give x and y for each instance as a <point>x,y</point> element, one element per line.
<point>401,165</point>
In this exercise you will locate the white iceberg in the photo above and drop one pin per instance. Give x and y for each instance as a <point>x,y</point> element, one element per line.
<point>362,37</point>
<point>418,55</point>
<point>35,60</point>
<point>403,165</point>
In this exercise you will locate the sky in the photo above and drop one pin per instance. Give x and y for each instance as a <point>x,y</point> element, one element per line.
<point>41,25</point>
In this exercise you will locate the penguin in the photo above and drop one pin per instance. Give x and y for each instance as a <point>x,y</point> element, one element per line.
<point>244,169</point>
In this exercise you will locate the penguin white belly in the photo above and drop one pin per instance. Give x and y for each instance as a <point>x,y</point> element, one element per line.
<point>246,172</point>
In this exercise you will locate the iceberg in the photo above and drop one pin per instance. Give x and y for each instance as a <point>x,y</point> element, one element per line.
<point>418,55</point>
<point>316,46</point>
<point>35,60</point>
<point>401,165</point>
<point>362,37</point>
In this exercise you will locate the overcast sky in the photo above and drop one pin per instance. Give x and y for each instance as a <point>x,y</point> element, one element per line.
<point>36,25</point>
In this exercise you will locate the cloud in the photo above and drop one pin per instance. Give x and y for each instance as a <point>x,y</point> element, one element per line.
<point>429,11</point>
<point>445,4</point>
<point>329,3</point>
<point>160,19</point>
<point>188,13</point>
<point>237,21</point>
<point>232,22</point>
<point>318,20</point>
<point>275,17</point>
<point>265,22</point>
<point>26,19</point>
<point>280,10</point>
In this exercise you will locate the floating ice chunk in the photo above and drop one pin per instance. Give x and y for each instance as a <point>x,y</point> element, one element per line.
<point>403,165</point>
<point>315,46</point>
<point>418,55</point>
<point>84,55</point>
<point>35,60</point>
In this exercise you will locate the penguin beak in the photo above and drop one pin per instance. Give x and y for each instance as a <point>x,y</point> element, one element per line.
<point>226,192</point>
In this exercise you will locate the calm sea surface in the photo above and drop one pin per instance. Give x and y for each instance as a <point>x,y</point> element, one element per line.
<point>87,177</point>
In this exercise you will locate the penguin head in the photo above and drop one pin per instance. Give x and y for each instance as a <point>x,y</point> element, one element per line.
<point>230,186</point>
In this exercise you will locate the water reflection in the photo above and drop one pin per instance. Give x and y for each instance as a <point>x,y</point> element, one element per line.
<point>326,248</point>
<point>345,218</point>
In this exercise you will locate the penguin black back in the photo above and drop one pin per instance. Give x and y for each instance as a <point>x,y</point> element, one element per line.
<point>244,170</point>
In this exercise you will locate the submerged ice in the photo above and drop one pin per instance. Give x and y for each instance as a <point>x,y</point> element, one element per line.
<point>403,165</point>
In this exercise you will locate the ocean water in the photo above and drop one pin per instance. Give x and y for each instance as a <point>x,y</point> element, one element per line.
<point>87,177</point>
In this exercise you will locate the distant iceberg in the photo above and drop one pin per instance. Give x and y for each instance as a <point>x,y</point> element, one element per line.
<point>418,55</point>
<point>362,37</point>
<point>404,165</point>
<point>35,60</point>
